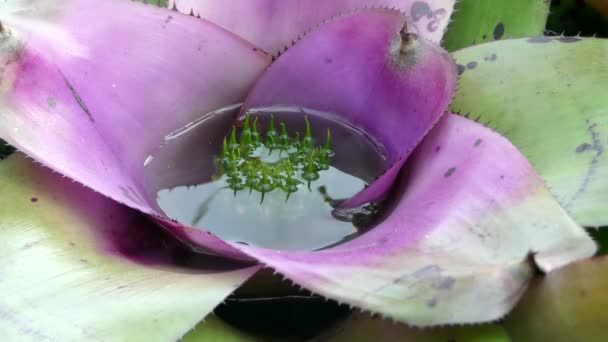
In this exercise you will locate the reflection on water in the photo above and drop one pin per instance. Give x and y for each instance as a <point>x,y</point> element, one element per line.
<point>182,177</point>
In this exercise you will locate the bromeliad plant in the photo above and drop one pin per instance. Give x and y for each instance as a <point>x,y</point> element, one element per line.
<point>90,88</point>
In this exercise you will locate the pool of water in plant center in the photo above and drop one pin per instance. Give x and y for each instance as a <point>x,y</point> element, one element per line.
<point>192,176</point>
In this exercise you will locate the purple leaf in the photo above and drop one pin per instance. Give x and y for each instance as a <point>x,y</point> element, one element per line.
<point>275,24</point>
<point>362,67</point>
<point>456,245</point>
<point>90,88</point>
<point>77,266</point>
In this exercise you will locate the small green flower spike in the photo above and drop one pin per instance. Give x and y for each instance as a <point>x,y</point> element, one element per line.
<point>291,184</point>
<point>327,147</point>
<point>307,142</point>
<point>271,136</point>
<point>255,136</point>
<point>233,145</point>
<point>311,173</point>
<point>246,134</point>
<point>283,138</point>
<point>296,142</point>
<point>225,156</point>
<point>242,163</point>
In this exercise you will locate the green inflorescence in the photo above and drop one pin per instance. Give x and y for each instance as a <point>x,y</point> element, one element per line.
<point>243,161</point>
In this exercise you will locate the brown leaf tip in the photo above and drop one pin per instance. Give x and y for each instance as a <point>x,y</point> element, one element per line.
<point>403,49</point>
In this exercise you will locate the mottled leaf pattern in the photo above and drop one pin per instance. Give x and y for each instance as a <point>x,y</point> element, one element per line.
<point>75,265</point>
<point>479,21</point>
<point>558,118</point>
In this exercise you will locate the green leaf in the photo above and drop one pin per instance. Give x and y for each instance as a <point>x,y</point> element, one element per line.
<point>362,327</point>
<point>214,329</point>
<point>76,266</point>
<point>479,21</point>
<point>160,3</point>
<point>548,96</point>
<point>566,305</point>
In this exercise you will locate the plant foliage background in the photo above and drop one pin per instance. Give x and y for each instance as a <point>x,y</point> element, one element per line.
<point>268,307</point>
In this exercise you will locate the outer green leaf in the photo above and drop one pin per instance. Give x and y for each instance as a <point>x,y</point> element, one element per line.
<point>214,329</point>
<point>362,328</point>
<point>566,305</point>
<point>160,3</point>
<point>478,21</point>
<point>548,96</point>
<point>76,266</point>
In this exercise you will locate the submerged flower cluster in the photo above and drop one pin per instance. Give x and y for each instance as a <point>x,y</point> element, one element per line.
<point>247,164</point>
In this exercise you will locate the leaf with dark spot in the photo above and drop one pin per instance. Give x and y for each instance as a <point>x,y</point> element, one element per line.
<point>584,147</point>
<point>461,69</point>
<point>420,9</point>
<point>568,39</point>
<point>476,21</point>
<point>563,106</point>
<point>499,31</point>
<point>490,58</point>
<point>449,172</point>
<point>539,39</point>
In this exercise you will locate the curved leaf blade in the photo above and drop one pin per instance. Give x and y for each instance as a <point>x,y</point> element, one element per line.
<point>406,79</point>
<point>92,88</point>
<point>78,266</point>
<point>273,25</point>
<point>546,95</point>
<point>457,244</point>
<point>479,21</point>
<point>95,103</point>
